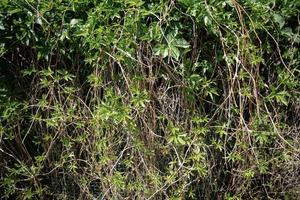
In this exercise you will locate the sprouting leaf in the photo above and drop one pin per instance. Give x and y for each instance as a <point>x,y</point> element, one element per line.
<point>29,71</point>
<point>176,135</point>
<point>248,174</point>
<point>282,97</point>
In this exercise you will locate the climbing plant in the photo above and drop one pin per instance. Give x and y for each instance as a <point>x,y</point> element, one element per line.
<point>149,99</point>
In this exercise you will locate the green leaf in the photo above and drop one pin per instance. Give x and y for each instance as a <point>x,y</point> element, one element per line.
<point>29,71</point>
<point>279,20</point>
<point>14,11</point>
<point>181,43</point>
<point>161,50</point>
<point>175,53</point>
<point>187,3</point>
<point>73,22</point>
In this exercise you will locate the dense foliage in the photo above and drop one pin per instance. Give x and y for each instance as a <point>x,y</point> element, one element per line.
<point>149,99</point>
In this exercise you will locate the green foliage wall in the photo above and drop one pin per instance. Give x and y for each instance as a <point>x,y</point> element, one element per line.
<point>149,99</point>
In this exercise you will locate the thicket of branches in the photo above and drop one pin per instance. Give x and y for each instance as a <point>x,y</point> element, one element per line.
<point>149,99</point>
